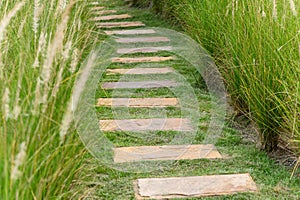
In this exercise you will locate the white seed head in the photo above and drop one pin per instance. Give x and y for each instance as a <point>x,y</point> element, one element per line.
<point>66,122</point>
<point>75,60</point>
<point>18,162</point>
<point>5,103</point>
<point>66,52</point>
<point>274,13</point>
<point>293,8</point>
<point>5,21</point>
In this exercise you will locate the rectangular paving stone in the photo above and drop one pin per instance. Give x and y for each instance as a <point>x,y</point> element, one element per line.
<point>111,17</point>
<point>169,152</point>
<point>130,32</point>
<point>197,186</point>
<point>137,102</point>
<point>119,24</point>
<point>153,124</point>
<point>142,39</point>
<point>149,70</point>
<point>103,12</point>
<point>138,84</point>
<point>142,59</point>
<point>144,50</point>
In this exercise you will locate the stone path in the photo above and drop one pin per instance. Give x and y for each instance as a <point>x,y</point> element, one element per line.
<point>138,102</point>
<point>157,188</point>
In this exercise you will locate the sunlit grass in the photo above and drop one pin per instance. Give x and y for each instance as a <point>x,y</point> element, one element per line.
<point>256,46</point>
<point>42,44</point>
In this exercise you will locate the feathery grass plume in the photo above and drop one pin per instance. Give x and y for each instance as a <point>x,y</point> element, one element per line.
<point>66,122</point>
<point>72,104</point>
<point>21,27</point>
<point>38,97</point>
<point>274,12</point>
<point>36,13</point>
<point>233,7</point>
<point>57,82</point>
<point>3,25</point>
<point>17,108</point>
<point>53,49</point>
<point>18,162</point>
<point>75,60</point>
<point>5,104</point>
<point>293,8</point>
<point>263,13</point>
<point>5,21</point>
<point>41,49</point>
<point>67,50</point>
<point>62,4</point>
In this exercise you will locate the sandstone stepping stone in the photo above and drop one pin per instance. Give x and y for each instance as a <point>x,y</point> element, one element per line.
<point>102,12</point>
<point>119,24</point>
<point>154,124</point>
<point>149,70</point>
<point>138,102</point>
<point>97,8</point>
<point>169,152</point>
<point>139,84</point>
<point>142,59</point>
<point>111,17</point>
<point>142,39</point>
<point>130,32</point>
<point>144,50</point>
<point>194,186</point>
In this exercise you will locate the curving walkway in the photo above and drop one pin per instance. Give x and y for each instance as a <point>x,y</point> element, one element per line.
<point>118,26</point>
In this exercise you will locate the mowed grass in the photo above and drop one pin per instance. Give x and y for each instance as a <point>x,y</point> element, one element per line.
<point>242,156</point>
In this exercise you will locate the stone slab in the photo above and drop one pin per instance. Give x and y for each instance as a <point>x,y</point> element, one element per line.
<point>111,17</point>
<point>169,152</point>
<point>144,50</point>
<point>142,39</point>
<point>154,124</point>
<point>130,32</point>
<point>197,186</point>
<point>149,70</point>
<point>103,12</point>
<point>137,102</point>
<point>142,59</point>
<point>139,84</point>
<point>120,24</point>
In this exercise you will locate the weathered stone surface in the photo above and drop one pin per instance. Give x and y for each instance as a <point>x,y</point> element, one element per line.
<point>163,70</point>
<point>198,186</point>
<point>97,8</point>
<point>142,39</point>
<point>142,59</point>
<point>139,84</point>
<point>111,17</point>
<point>154,124</point>
<point>103,12</point>
<point>170,152</point>
<point>137,102</point>
<point>119,24</point>
<point>143,50</point>
<point>130,32</point>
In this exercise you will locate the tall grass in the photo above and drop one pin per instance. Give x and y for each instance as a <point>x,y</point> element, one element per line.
<point>42,43</point>
<point>256,46</point>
